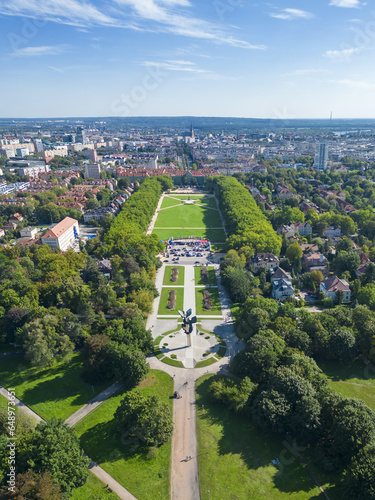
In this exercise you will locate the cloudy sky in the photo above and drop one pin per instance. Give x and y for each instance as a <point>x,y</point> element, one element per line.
<point>286,59</point>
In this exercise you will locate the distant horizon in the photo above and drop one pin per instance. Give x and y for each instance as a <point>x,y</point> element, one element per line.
<point>212,117</point>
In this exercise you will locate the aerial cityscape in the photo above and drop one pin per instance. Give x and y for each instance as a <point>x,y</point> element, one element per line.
<point>187,250</point>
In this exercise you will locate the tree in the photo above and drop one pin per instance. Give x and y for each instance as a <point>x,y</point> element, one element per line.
<point>342,345</point>
<point>30,485</point>
<point>54,447</point>
<point>144,419</point>
<point>294,253</point>
<point>352,428</point>
<point>128,364</point>
<point>359,479</point>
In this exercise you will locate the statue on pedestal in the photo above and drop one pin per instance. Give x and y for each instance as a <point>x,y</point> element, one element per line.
<point>187,323</point>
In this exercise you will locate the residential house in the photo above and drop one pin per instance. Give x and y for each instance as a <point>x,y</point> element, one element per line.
<point>309,247</point>
<point>16,218</point>
<point>333,232</point>
<point>105,267</point>
<point>9,226</point>
<point>282,289</point>
<point>29,232</point>
<point>365,261</point>
<point>315,262</point>
<point>280,274</point>
<point>330,286</point>
<point>268,260</point>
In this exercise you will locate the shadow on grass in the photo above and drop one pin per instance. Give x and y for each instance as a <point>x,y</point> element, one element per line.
<point>338,372</point>
<point>256,448</point>
<point>105,443</point>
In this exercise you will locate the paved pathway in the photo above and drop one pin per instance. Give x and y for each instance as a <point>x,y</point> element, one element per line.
<point>19,404</point>
<point>94,403</point>
<point>112,484</point>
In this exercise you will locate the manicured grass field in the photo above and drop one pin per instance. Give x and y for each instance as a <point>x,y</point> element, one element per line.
<point>94,489</point>
<point>57,391</point>
<point>211,276</point>
<point>188,216</point>
<point>144,474</point>
<point>169,202</point>
<point>206,234</point>
<point>167,275</point>
<point>356,381</point>
<point>235,459</point>
<point>164,301</point>
<point>215,301</point>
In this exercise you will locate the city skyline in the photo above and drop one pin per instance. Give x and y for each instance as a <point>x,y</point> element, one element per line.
<point>179,57</point>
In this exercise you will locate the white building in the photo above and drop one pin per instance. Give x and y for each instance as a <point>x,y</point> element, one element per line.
<point>29,232</point>
<point>61,235</point>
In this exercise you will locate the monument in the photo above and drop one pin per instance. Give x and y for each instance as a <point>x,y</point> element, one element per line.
<point>187,324</point>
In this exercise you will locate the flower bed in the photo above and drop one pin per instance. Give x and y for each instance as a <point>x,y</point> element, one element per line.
<point>207,305</point>
<point>174,275</point>
<point>172,300</point>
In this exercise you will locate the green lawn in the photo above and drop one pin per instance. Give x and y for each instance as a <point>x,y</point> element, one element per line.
<point>186,216</point>
<point>215,301</point>
<point>170,202</point>
<point>235,459</point>
<point>211,276</point>
<point>57,391</point>
<point>164,301</point>
<point>167,275</point>
<point>146,476</point>
<point>215,235</point>
<point>218,247</point>
<point>355,381</point>
<point>94,489</point>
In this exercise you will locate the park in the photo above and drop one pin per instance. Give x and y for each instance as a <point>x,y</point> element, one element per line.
<point>227,455</point>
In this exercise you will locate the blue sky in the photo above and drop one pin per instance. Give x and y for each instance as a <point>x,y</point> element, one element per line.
<point>283,59</point>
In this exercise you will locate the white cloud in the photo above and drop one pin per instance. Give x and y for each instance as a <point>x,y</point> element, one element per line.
<point>342,55</point>
<point>170,16</point>
<point>64,11</point>
<point>306,72</point>
<point>180,23</point>
<point>349,4</point>
<point>185,66</point>
<point>356,84</point>
<point>45,50</point>
<point>290,14</point>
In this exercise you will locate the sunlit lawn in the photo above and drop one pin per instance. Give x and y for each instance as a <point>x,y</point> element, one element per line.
<point>211,276</point>
<point>188,216</point>
<point>94,489</point>
<point>57,391</point>
<point>214,235</point>
<point>168,272</point>
<point>235,459</point>
<point>355,381</point>
<point>215,302</point>
<point>145,475</point>
<point>164,301</point>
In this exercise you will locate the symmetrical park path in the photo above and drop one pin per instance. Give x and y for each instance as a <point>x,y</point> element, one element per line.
<point>184,470</point>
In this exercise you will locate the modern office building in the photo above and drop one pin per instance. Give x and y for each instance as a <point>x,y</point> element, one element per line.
<point>92,171</point>
<point>321,156</point>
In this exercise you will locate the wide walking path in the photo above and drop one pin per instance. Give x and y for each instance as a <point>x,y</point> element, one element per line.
<point>93,404</point>
<point>19,404</point>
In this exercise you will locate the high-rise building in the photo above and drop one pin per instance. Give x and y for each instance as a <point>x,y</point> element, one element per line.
<point>321,156</point>
<point>81,135</point>
<point>92,171</point>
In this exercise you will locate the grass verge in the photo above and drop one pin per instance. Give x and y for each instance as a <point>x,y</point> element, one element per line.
<point>56,391</point>
<point>205,362</point>
<point>235,458</point>
<point>144,474</point>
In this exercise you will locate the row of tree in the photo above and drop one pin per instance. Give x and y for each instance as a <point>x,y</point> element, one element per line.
<point>246,224</point>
